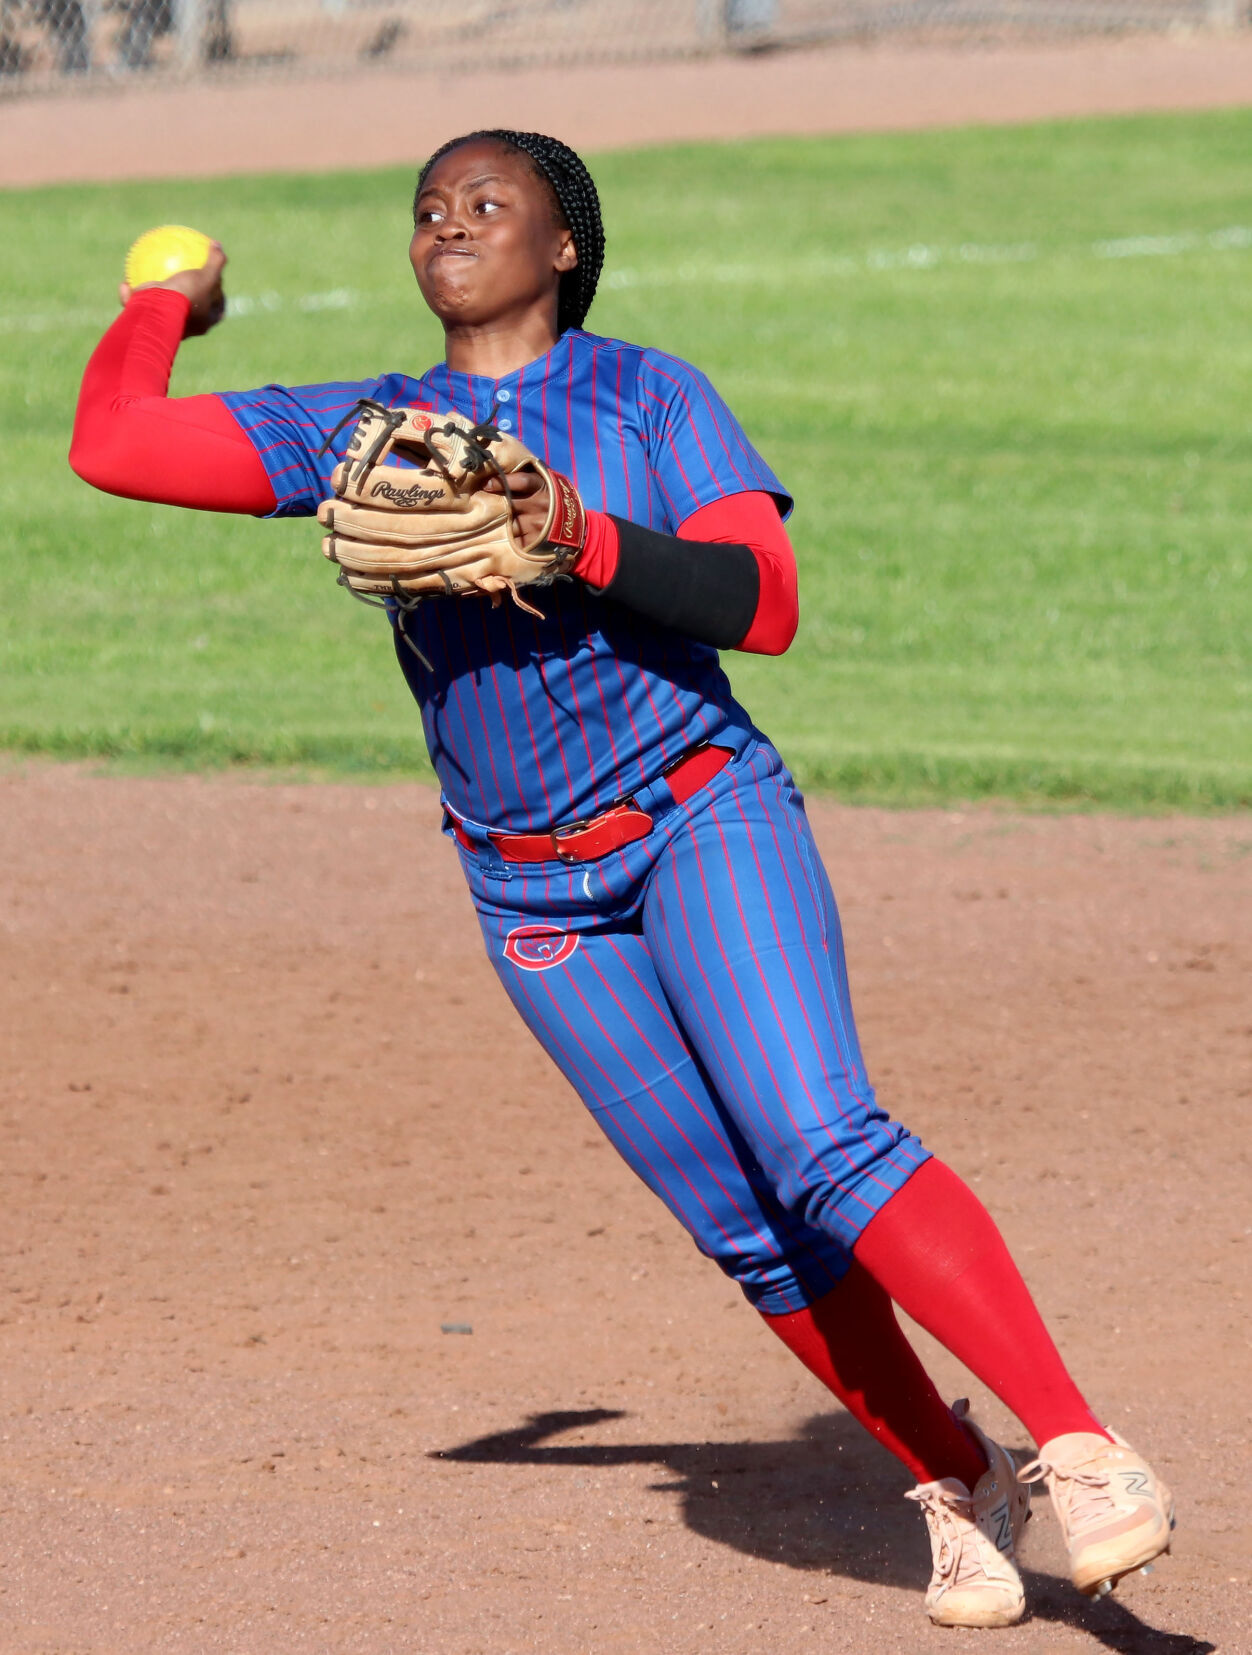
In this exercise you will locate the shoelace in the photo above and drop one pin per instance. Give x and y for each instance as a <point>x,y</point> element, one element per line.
<point>1084,1494</point>
<point>954,1552</point>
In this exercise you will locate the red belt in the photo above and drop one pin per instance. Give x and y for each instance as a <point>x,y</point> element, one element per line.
<point>619,825</point>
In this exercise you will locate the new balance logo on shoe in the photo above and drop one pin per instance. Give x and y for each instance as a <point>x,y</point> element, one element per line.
<point>973,1535</point>
<point>1115,1515</point>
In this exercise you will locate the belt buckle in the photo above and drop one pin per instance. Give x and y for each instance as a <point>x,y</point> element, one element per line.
<point>598,834</point>
<point>567,830</point>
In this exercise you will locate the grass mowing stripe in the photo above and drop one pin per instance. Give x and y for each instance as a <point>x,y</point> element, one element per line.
<point>1023,482</point>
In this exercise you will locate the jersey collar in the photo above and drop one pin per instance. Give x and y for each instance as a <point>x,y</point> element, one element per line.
<point>478,386</point>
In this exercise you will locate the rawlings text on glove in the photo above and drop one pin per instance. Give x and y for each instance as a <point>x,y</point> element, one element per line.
<point>429,528</point>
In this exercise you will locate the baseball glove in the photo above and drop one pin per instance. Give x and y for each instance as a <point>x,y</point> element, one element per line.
<point>430,528</point>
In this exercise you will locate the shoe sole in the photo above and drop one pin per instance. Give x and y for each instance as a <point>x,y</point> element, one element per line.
<point>981,1622</point>
<point>1099,1582</point>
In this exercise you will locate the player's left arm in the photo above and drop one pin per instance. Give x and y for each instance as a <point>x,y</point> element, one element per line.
<point>726,575</point>
<point>727,578</point>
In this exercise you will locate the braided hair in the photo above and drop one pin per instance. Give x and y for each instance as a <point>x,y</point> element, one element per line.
<point>577,202</point>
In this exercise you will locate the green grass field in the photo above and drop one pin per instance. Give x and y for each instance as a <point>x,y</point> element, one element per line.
<point>1006,372</point>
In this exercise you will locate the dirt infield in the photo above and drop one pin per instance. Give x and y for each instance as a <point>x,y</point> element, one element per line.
<point>330,1325</point>
<point>261,1179</point>
<point>166,132</point>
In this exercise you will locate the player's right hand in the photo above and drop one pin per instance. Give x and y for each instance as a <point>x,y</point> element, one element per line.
<point>203,287</point>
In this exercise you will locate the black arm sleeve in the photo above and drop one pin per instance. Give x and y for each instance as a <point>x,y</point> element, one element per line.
<point>707,589</point>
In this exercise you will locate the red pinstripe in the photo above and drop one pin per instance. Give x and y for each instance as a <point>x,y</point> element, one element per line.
<point>839,1037</point>
<point>606,716</point>
<point>782,1096</point>
<point>625,1103</point>
<point>504,723</point>
<point>716,422</point>
<point>665,1014</point>
<point>473,746</point>
<point>595,418</point>
<point>732,1081</point>
<point>682,470</point>
<point>582,723</point>
<point>543,405</point>
<point>549,701</point>
<point>621,433</point>
<point>681,399</point>
<point>569,417</point>
<point>713,1127</point>
<point>652,708</point>
<point>843,1114</point>
<point>844,1033</point>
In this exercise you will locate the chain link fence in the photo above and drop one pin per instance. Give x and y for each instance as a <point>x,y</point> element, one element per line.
<point>50,45</point>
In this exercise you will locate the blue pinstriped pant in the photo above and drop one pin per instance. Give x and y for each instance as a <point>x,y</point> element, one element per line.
<point>693,989</point>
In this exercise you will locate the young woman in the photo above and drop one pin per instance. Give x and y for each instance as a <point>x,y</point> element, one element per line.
<point>644,874</point>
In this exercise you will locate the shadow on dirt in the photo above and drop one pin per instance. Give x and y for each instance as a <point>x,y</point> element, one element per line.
<point>827,1499</point>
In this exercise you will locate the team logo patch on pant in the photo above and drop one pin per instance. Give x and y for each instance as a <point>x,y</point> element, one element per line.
<point>538,947</point>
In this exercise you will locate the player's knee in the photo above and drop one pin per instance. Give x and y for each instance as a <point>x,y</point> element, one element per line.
<point>835,1189</point>
<point>777,1284</point>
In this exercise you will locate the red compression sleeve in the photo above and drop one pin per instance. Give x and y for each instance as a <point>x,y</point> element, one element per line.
<point>750,520</point>
<point>853,1343</point>
<point>936,1249</point>
<point>131,439</point>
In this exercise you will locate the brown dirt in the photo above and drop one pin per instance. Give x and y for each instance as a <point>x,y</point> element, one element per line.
<point>256,1160</point>
<point>171,131</point>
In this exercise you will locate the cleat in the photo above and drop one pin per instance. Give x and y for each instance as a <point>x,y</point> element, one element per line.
<point>973,1539</point>
<point>1115,1513</point>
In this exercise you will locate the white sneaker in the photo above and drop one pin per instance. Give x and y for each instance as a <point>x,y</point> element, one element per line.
<point>973,1540</point>
<point>1115,1513</point>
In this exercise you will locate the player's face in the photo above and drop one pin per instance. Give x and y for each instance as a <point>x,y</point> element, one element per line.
<point>488,246</point>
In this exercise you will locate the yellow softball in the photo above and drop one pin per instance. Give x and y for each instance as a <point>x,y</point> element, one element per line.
<point>163,252</point>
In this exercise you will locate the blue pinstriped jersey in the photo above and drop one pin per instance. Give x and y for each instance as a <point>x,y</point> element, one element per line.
<point>531,723</point>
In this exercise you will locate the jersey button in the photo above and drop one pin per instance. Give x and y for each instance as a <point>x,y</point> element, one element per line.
<point>505,424</point>
<point>502,396</point>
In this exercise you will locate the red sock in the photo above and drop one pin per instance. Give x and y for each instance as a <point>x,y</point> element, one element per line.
<point>851,1340</point>
<point>936,1250</point>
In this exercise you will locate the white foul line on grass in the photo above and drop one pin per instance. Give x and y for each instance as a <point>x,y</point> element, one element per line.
<point>918,256</point>
<point>925,256</point>
<point>262,304</point>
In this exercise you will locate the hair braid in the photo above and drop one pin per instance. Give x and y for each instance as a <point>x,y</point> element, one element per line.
<point>577,198</point>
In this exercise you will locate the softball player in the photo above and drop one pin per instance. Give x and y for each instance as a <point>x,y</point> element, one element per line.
<point>644,874</point>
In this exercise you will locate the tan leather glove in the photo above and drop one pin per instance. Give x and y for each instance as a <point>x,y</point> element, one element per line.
<point>429,527</point>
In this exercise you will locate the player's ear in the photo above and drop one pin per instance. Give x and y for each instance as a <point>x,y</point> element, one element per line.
<point>567,253</point>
